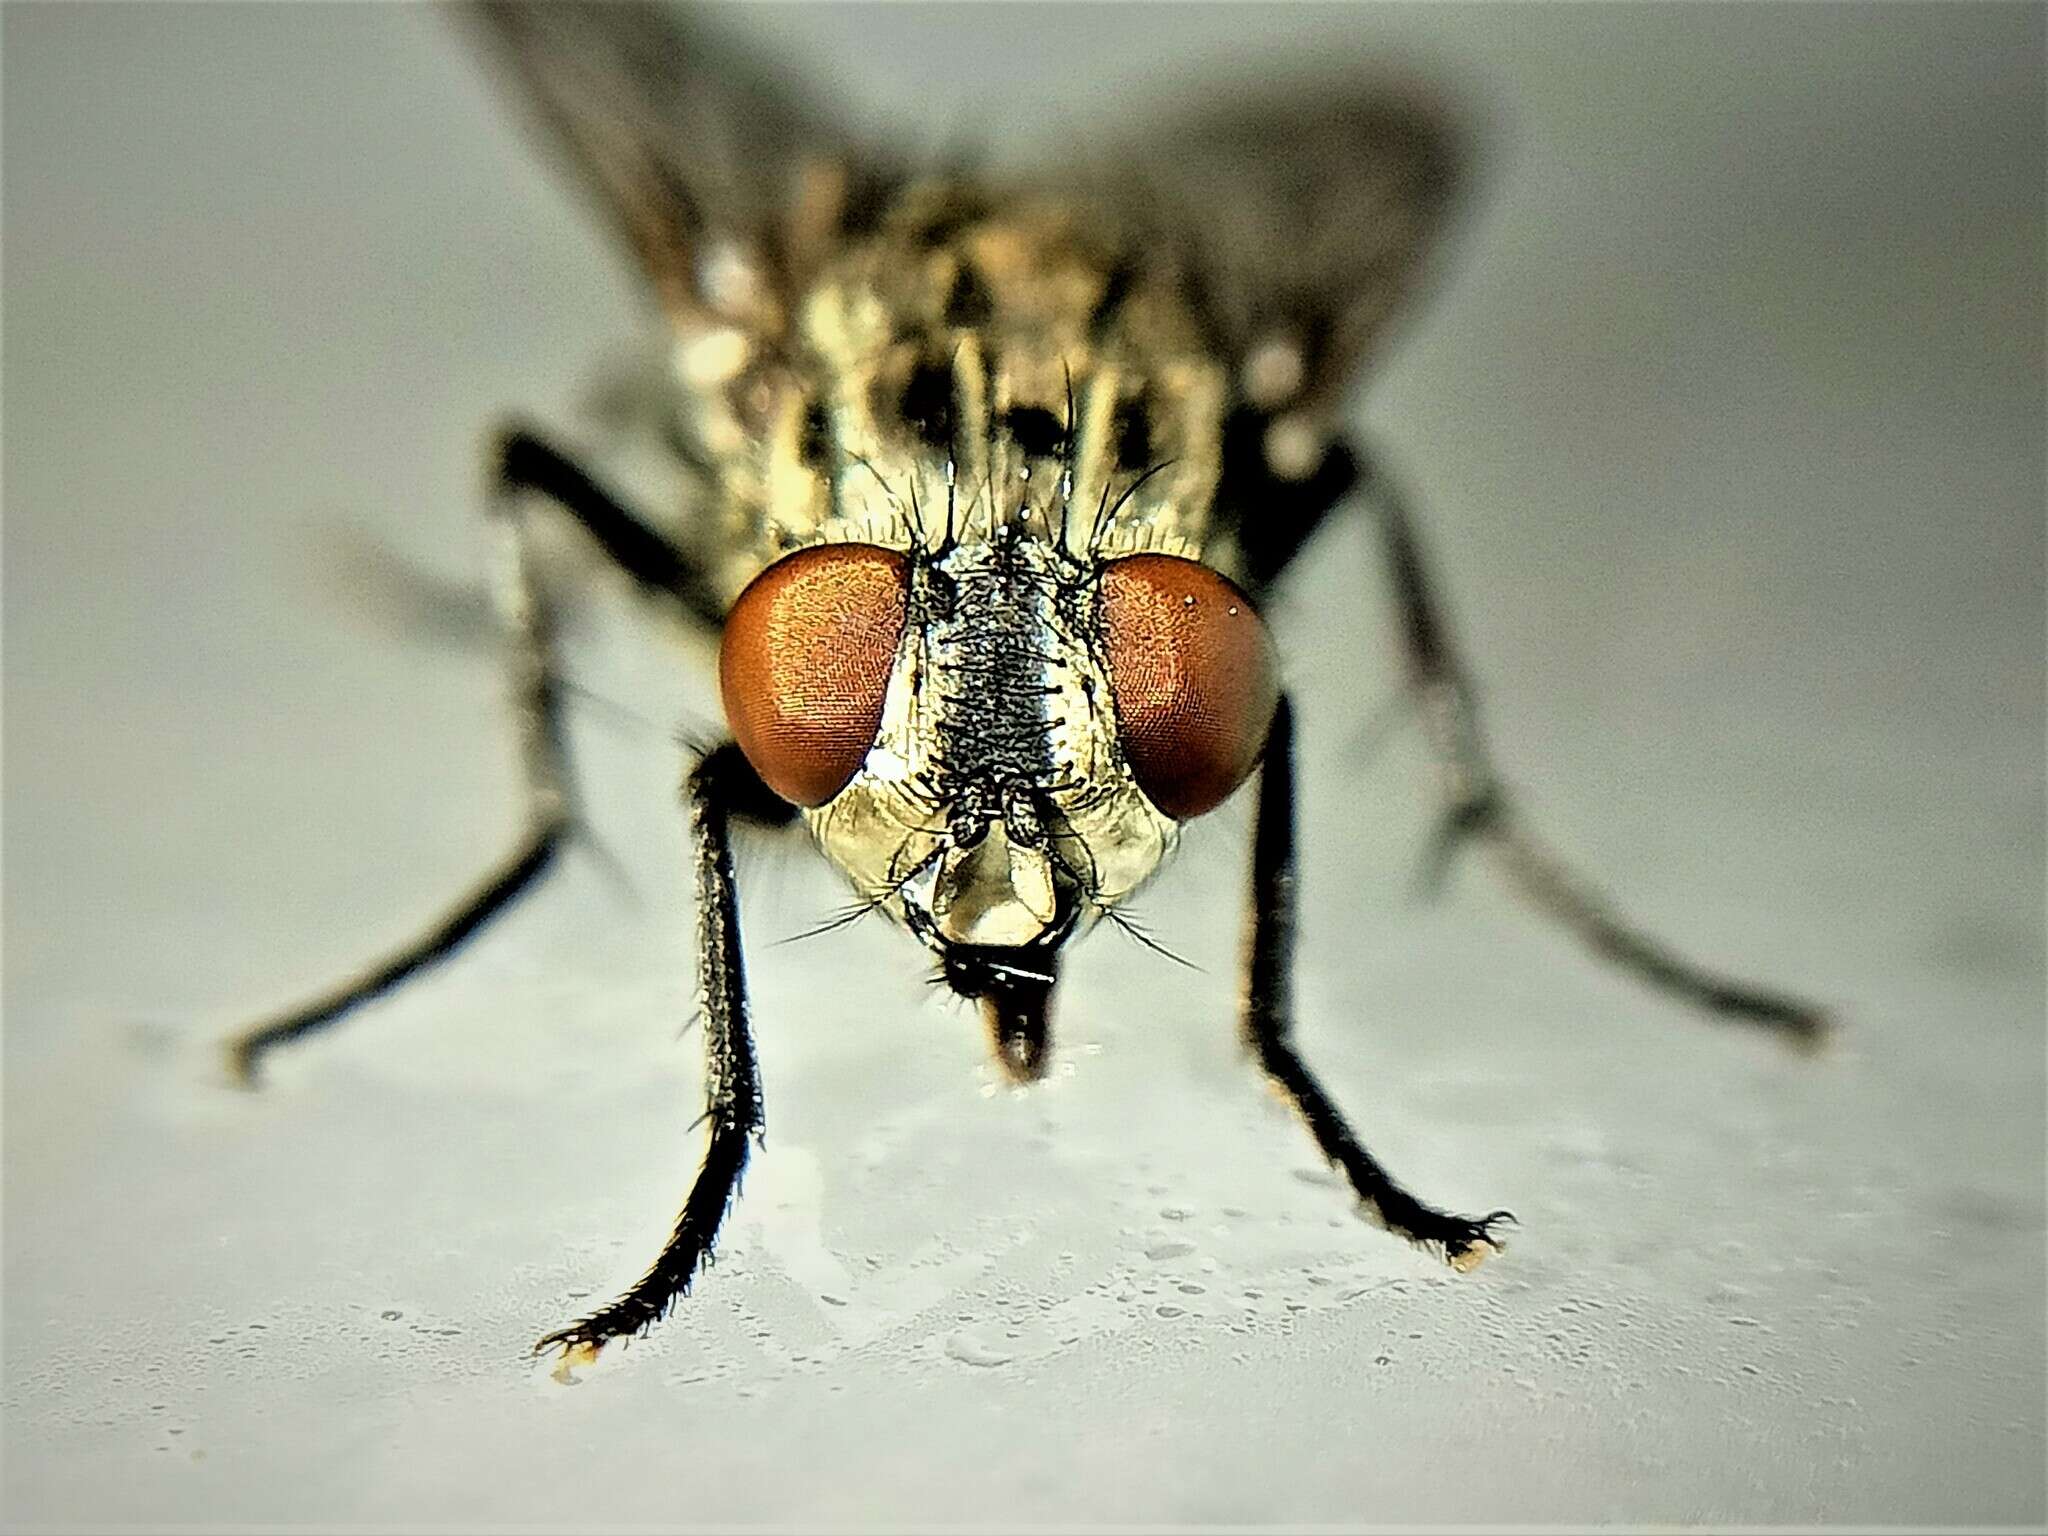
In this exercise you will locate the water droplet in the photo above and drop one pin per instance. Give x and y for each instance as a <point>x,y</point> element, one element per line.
<point>969,1350</point>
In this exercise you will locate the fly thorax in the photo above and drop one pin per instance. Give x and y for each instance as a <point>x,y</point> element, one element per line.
<point>996,807</point>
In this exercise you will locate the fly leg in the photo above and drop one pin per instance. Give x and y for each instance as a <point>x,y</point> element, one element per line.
<point>523,464</point>
<point>1480,808</point>
<point>1269,1024</point>
<point>657,567</point>
<point>721,786</point>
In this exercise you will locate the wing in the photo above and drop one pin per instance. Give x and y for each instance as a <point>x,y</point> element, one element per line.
<point>1301,224</point>
<point>726,186</point>
<point>1297,223</point>
<point>1307,221</point>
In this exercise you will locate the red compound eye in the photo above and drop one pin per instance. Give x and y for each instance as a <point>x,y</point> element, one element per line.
<point>1193,672</point>
<point>805,664</point>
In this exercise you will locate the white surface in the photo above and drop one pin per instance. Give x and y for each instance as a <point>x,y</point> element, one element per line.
<point>1728,427</point>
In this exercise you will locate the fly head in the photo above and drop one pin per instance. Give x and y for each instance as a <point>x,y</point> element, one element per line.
<point>997,741</point>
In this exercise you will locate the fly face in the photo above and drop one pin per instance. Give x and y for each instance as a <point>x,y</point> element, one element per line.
<point>1035,725</point>
<point>982,486</point>
<point>993,817</point>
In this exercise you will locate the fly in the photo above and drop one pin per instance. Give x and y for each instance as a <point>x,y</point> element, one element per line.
<point>988,484</point>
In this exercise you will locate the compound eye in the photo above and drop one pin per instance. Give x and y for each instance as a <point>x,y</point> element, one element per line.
<point>1194,676</point>
<point>805,662</point>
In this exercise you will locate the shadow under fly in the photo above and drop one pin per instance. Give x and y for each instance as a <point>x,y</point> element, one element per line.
<point>989,482</point>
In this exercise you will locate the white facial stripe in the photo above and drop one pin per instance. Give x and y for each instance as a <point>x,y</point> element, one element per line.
<point>935,754</point>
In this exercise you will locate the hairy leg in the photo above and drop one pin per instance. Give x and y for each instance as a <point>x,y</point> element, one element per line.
<point>718,788</point>
<point>1479,809</point>
<point>1269,1025</point>
<point>523,465</point>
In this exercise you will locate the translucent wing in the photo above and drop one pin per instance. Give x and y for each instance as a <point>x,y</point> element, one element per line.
<point>1307,220</point>
<point>726,186</point>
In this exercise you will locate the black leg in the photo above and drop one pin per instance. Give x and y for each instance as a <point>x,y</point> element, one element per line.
<point>495,892</point>
<point>1269,1023</point>
<point>523,464</point>
<point>718,788</point>
<point>1480,809</point>
<point>537,706</point>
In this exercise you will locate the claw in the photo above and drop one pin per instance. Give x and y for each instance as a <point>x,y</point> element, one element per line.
<point>1812,1031</point>
<point>577,1347</point>
<point>242,1065</point>
<point>575,1352</point>
<point>1472,817</point>
<point>1467,1252</point>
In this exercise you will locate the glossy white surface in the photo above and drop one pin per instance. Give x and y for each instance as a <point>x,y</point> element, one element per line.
<point>1727,425</point>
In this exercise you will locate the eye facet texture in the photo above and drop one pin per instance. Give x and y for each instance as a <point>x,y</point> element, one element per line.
<point>1194,677</point>
<point>805,664</point>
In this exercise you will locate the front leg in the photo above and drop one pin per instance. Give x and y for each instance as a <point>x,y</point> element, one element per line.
<point>1269,1024</point>
<point>721,786</point>
<point>1479,808</point>
<point>527,462</point>
<point>522,464</point>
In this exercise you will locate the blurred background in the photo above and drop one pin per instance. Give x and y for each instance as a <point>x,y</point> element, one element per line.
<point>1726,422</point>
